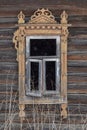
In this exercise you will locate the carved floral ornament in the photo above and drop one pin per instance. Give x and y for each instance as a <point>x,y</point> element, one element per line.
<point>42,22</point>
<point>42,16</point>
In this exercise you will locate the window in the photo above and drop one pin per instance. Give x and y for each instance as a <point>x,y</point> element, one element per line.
<point>42,65</point>
<point>41,46</point>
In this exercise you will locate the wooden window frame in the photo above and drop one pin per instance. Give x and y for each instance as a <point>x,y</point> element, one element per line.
<point>42,23</point>
<point>43,59</point>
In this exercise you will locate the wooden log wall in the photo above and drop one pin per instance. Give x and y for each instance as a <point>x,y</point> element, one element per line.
<point>77,66</point>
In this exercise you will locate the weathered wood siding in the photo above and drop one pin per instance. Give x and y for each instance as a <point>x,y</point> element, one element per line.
<point>77,62</point>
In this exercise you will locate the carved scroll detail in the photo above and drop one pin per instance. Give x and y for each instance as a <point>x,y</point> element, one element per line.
<point>22,112</point>
<point>18,38</point>
<point>42,16</point>
<point>64,111</point>
<point>64,24</point>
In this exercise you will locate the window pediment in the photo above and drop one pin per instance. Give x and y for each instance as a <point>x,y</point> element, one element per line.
<point>42,16</point>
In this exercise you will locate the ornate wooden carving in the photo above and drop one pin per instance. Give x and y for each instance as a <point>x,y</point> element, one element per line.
<point>41,23</point>
<point>21,17</point>
<point>22,112</point>
<point>64,111</point>
<point>42,16</point>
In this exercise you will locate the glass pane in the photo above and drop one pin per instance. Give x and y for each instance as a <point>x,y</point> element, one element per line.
<point>42,47</point>
<point>34,76</point>
<point>50,75</point>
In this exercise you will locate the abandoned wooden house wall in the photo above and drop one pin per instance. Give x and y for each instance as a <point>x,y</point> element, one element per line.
<point>77,61</point>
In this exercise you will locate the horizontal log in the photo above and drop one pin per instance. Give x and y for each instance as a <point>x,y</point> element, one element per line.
<point>7,48</point>
<point>43,2</point>
<point>72,79</point>
<point>77,98</point>
<point>7,64</point>
<point>2,37</point>
<point>5,41</point>
<point>14,73</point>
<point>77,70</point>
<point>77,91</point>
<point>77,30</point>
<point>77,52</point>
<point>72,49</point>
<point>10,21</point>
<point>73,31</point>
<point>44,126</point>
<point>7,53</point>
<point>79,49</point>
<point>73,98</point>
<point>83,74</point>
<point>7,36</point>
<point>8,82</point>
<point>7,88</point>
<point>79,63</point>
<point>73,8</point>
<point>45,118</point>
<point>78,57</point>
<point>75,41</point>
<point>10,71</point>
<point>77,85</point>
<point>6,59</point>
<point>72,88</point>
<point>8,76</point>
<point>7,32</point>
<point>78,36</point>
<point>8,68</point>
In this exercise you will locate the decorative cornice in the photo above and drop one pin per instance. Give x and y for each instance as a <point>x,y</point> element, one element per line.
<point>42,16</point>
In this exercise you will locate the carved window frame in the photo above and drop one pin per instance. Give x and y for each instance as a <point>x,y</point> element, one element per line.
<point>43,23</point>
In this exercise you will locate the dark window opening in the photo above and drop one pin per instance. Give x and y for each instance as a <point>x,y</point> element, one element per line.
<point>34,76</point>
<point>42,47</point>
<point>50,75</point>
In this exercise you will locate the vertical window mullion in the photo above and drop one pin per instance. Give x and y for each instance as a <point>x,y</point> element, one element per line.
<point>57,75</point>
<point>40,76</point>
<point>43,76</point>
